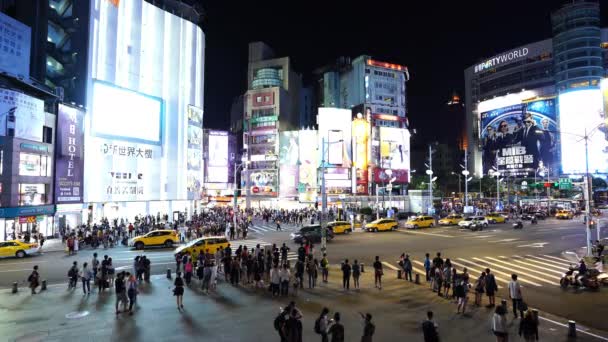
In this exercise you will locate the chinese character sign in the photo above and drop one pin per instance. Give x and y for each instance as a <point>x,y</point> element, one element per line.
<point>14,46</point>
<point>70,155</point>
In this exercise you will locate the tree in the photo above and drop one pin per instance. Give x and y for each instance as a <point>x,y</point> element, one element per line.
<point>598,183</point>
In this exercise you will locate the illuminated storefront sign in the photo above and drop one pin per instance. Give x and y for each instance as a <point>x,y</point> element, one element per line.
<point>505,57</point>
<point>264,119</point>
<point>386,65</point>
<point>69,169</point>
<point>263,182</point>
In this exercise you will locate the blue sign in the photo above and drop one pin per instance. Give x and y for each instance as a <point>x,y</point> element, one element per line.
<point>27,211</point>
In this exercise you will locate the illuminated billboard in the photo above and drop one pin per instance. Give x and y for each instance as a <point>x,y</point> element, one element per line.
<point>394,148</point>
<point>195,152</point>
<point>263,182</point>
<point>288,155</point>
<point>335,136</point>
<point>309,162</point>
<point>520,138</point>
<point>218,148</point>
<point>22,113</point>
<point>361,131</point>
<point>581,114</point>
<point>146,69</point>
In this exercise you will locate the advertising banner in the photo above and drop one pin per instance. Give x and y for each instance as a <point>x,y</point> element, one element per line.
<point>289,181</point>
<point>520,138</point>
<point>361,131</point>
<point>335,132</point>
<point>263,183</point>
<point>288,157</point>
<point>15,42</point>
<point>395,148</point>
<point>195,152</point>
<point>69,169</point>
<point>23,113</point>
<point>381,176</point>
<point>309,162</point>
<point>218,148</point>
<point>581,113</point>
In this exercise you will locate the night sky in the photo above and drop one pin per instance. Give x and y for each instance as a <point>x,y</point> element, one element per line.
<point>436,40</point>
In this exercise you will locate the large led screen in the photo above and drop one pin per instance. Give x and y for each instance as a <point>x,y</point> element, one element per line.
<point>23,113</point>
<point>218,150</point>
<point>309,163</point>
<point>288,157</point>
<point>146,69</point>
<point>335,133</point>
<point>520,138</point>
<point>581,114</point>
<point>395,148</point>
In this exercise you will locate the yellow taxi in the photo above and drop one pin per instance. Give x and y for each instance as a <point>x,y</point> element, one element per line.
<point>201,245</point>
<point>420,222</point>
<point>161,237</point>
<point>496,218</point>
<point>19,249</point>
<point>381,225</point>
<point>340,227</point>
<point>451,220</point>
<point>564,214</point>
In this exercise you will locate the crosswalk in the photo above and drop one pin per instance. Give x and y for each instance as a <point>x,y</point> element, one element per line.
<point>261,228</point>
<point>532,270</point>
<point>291,255</point>
<point>490,236</point>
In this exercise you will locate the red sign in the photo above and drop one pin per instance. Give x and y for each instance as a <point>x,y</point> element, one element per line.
<point>255,189</point>
<point>380,176</point>
<point>27,219</point>
<point>262,99</point>
<point>386,65</point>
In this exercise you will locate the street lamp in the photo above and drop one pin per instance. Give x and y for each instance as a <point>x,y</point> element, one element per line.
<point>389,188</point>
<point>457,174</point>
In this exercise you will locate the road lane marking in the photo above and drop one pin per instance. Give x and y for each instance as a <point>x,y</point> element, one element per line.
<point>6,271</point>
<point>558,259</point>
<point>504,240</point>
<point>528,270</point>
<point>542,262</point>
<point>552,263</point>
<point>536,266</point>
<point>578,329</point>
<point>24,262</point>
<point>534,245</point>
<point>389,266</point>
<point>431,234</point>
<point>503,273</point>
<point>482,236</point>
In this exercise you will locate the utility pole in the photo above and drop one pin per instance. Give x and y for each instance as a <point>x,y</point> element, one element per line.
<point>430,173</point>
<point>465,173</point>
<point>323,198</point>
<point>588,195</point>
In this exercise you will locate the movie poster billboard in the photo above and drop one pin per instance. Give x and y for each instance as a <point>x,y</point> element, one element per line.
<point>361,131</point>
<point>263,182</point>
<point>394,148</point>
<point>520,138</point>
<point>288,156</point>
<point>69,169</point>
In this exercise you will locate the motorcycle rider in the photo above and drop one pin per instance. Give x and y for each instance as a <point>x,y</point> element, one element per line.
<point>582,271</point>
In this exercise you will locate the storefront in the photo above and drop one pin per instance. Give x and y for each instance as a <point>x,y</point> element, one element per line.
<point>15,222</point>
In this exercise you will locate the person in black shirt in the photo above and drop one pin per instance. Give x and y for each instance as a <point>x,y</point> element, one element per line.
<point>121,292</point>
<point>378,273</point>
<point>429,328</point>
<point>336,330</point>
<point>346,275</point>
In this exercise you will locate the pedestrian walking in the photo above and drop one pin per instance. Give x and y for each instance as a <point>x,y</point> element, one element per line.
<point>293,327</point>
<point>516,296</point>
<point>356,273</point>
<point>85,277</point>
<point>111,272</point>
<point>447,278</point>
<point>499,324</point>
<point>378,273</point>
<point>34,279</point>
<point>429,328</point>
<point>491,288</point>
<point>73,276</point>
<point>368,327</point>
<point>278,226</point>
<point>336,329</point>
<point>321,325</point>
<point>528,327</point>
<point>279,323</point>
<point>346,270</point>
<point>188,270</point>
<point>462,294</point>
<point>94,268</point>
<point>284,276</point>
<point>131,291</point>
<point>407,268</point>
<point>121,292</point>
<point>178,291</point>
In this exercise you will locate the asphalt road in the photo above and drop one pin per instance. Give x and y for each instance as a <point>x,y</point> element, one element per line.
<point>539,254</point>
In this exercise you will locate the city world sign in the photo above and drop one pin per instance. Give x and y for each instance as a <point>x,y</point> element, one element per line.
<point>497,60</point>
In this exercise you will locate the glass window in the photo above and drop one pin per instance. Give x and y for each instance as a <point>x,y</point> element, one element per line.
<point>34,165</point>
<point>32,194</point>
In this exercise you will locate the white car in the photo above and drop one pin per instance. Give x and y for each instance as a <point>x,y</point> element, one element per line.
<point>474,223</point>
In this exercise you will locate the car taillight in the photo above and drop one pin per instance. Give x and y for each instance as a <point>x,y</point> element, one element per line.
<point>34,245</point>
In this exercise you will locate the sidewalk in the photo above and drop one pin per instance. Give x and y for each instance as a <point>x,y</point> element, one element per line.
<point>53,245</point>
<point>245,314</point>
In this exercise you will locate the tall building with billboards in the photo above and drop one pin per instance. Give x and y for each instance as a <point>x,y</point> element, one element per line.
<point>219,160</point>
<point>375,92</point>
<point>143,128</point>
<point>526,106</point>
<point>271,106</point>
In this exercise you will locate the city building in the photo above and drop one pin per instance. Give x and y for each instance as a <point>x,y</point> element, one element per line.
<point>28,111</point>
<point>272,104</point>
<point>553,84</point>
<point>143,125</point>
<point>375,92</point>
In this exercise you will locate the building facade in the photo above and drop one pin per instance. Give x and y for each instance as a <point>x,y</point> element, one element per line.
<point>524,90</point>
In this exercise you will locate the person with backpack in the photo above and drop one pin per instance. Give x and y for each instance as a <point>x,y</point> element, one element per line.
<point>73,276</point>
<point>346,269</point>
<point>324,268</point>
<point>368,327</point>
<point>279,324</point>
<point>34,279</point>
<point>336,329</point>
<point>429,328</point>
<point>321,325</point>
<point>463,294</point>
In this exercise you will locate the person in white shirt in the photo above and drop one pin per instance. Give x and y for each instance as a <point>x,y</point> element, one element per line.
<point>275,280</point>
<point>284,276</point>
<point>515,295</point>
<point>499,324</point>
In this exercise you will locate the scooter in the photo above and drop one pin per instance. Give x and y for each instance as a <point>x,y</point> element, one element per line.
<point>534,220</point>
<point>518,225</point>
<point>588,280</point>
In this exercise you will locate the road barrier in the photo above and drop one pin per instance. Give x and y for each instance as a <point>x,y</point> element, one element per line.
<point>399,275</point>
<point>362,268</point>
<point>571,329</point>
<point>15,287</point>
<point>43,286</point>
<point>417,279</point>
<point>168,273</point>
